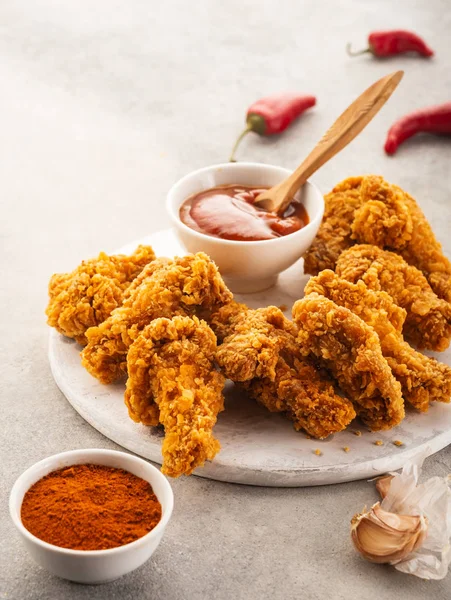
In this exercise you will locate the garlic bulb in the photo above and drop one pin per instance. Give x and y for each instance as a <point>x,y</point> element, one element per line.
<point>411,527</point>
<point>385,537</point>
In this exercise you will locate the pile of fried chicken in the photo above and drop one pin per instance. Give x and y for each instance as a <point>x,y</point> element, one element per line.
<point>171,328</point>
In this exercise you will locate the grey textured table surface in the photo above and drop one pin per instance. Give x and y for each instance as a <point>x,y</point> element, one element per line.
<point>103,106</point>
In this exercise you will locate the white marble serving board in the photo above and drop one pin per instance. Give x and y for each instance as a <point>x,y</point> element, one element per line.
<point>257,447</point>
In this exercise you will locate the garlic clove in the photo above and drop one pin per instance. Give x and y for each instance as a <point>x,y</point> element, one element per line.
<point>384,537</point>
<point>402,523</point>
<point>383,485</point>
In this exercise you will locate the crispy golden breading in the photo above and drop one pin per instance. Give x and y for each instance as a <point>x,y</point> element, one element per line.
<point>180,287</point>
<point>425,252</point>
<point>148,270</point>
<point>172,380</point>
<point>307,397</point>
<point>415,241</point>
<point>384,218</point>
<point>369,210</point>
<point>221,320</point>
<point>260,352</point>
<point>359,209</point>
<point>335,232</point>
<point>351,351</point>
<point>256,339</point>
<point>423,380</point>
<point>88,295</point>
<point>428,320</point>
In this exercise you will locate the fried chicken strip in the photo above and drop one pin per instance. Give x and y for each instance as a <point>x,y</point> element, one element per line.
<point>255,341</point>
<point>306,396</point>
<point>428,320</point>
<point>335,232</point>
<point>351,351</point>
<point>89,294</point>
<point>260,352</point>
<point>425,252</point>
<point>370,210</point>
<point>383,218</point>
<point>222,320</point>
<point>172,380</point>
<point>359,209</point>
<point>423,380</point>
<point>181,287</point>
<point>148,270</point>
<point>417,244</point>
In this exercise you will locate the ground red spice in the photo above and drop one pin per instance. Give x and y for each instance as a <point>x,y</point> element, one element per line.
<point>90,507</point>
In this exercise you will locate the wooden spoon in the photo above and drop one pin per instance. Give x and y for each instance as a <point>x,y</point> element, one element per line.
<point>343,131</point>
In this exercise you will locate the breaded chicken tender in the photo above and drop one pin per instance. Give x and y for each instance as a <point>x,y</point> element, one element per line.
<point>335,232</point>
<point>89,294</point>
<point>423,380</point>
<point>259,351</point>
<point>369,210</point>
<point>425,252</point>
<point>383,218</point>
<point>148,270</point>
<point>306,396</point>
<point>428,319</point>
<point>221,321</point>
<point>255,341</point>
<point>172,380</point>
<point>351,351</point>
<point>181,287</point>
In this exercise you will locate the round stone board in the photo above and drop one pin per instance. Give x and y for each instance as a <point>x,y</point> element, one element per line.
<point>257,447</point>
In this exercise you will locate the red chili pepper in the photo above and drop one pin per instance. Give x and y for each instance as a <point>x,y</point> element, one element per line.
<point>274,114</point>
<point>435,119</point>
<point>389,43</point>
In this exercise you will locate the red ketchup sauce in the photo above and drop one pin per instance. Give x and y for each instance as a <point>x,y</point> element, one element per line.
<point>228,212</point>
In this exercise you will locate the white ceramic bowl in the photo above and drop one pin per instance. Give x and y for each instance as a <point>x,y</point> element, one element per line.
<point>246,266</point>
<point>92,566</point>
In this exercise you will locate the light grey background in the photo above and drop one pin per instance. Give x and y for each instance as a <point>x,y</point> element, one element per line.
<point>103,105</point>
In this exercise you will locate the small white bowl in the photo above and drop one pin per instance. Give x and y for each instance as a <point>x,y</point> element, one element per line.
<point>92,566</point>
<point>246,266</point>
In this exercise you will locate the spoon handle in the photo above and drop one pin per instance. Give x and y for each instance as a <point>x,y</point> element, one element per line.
<point>348,125</point>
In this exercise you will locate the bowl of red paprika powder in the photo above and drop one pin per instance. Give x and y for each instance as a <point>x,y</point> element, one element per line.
<point>91,515</point>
